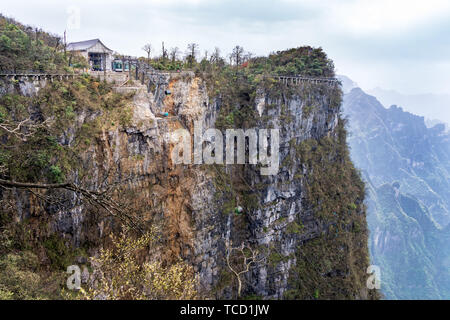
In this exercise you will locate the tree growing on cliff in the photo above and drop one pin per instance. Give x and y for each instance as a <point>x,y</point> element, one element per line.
<point>215,57</point>
<point>237,55</point>
<point>192,51</point>
<point>240,259</point>
<point>174,53</point>
<point>33,160</point>
<point>148,48</point>
<point>164,54</point>
<point>25,50</point>
<point>119,272</point>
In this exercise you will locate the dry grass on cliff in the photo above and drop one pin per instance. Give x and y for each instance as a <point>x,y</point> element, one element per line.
<point>120,273</point>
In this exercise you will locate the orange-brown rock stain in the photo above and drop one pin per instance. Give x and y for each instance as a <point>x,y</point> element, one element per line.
<point>179,182</point>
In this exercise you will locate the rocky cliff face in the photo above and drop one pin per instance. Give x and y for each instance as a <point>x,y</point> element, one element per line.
<point>308,219</point>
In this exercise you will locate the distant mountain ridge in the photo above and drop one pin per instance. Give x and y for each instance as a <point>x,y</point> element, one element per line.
<point>432,106</point>
<point>347,83</point>
<point>406,166</point>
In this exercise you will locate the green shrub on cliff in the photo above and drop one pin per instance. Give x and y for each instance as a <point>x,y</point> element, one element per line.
<point>48,150</point>
<point>22,49</point>
<point>335,262</point>
<point>306,61</point>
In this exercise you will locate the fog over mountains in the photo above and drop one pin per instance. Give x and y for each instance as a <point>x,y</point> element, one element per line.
<point>434,107</point>
<point>406,166</point>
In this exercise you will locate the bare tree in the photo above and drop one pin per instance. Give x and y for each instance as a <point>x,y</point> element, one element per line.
<point>237,55</point>
<point>65,44</point>
<point>164,53</point>
<point>174,52</point>
<point>102,199</point>
<point>240,259</point>
<point>247,56</point>
<point>22,129</point>
<point>192,51</point>
<point>215,56</point>
<point>148,48</point>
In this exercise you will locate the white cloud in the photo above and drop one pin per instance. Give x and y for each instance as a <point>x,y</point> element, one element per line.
<point>386,16</point>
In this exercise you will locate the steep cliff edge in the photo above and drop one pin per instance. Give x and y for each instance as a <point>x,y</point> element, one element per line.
<point>308,219</point>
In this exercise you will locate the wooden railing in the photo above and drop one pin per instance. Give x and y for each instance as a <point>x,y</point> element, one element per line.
<point>39,76</point>
<point>302,79</point>
<point>147,71</point>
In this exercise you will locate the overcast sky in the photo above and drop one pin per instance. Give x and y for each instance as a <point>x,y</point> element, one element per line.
<point>402,45</point>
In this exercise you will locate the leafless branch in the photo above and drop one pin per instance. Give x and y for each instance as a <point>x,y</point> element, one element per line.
<point>249,258</point>
<point>100,198</point>
<point>23,129</point>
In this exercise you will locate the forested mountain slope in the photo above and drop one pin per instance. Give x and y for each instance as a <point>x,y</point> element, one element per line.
<point>406,166</point>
